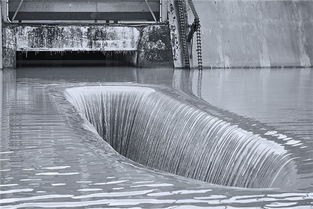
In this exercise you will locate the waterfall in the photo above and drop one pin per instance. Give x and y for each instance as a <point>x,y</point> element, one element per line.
<point>162,130</point>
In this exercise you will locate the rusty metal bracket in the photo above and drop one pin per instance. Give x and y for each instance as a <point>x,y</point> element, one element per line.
<point>193,28</point>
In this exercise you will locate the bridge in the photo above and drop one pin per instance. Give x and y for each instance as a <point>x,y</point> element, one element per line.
<point>234,35</point>
<point>145,32</point>
<point>93,10</point>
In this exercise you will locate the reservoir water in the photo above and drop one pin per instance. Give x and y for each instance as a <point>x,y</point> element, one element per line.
<point>247,138</point>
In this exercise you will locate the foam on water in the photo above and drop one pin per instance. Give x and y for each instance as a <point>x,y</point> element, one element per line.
<point>162,130</point>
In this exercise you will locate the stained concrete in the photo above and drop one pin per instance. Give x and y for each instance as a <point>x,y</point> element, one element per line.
<point>1,36</point>
<point>154,46</point>
<point>247,33</point>
<point>150,41</point>
<point>175,35</point>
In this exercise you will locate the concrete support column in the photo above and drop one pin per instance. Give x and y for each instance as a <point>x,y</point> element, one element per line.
<point>1,56</point>
<point>4,10</point>
<point>175,35</point>
<point>8,46</point>
<point>154,47</point>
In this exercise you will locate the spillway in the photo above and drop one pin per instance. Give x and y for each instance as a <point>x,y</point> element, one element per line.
<point>163,129</point>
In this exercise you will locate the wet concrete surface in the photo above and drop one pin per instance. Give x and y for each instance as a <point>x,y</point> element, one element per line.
<point>49,160</point>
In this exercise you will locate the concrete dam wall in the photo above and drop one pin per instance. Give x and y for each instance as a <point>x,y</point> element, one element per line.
<point>243,33</point>
<point>150,43</point>
<point>238,33</point>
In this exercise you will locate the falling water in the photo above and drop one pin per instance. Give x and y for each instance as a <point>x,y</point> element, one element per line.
<point>164,131</point>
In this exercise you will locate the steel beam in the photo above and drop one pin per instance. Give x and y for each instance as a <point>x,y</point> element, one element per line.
<point>151,11</point>
<point>17,9</point>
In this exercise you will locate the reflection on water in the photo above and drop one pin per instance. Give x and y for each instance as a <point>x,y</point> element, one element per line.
<point>49,160</point>
<point>7,97</point>
<point>282,98</point>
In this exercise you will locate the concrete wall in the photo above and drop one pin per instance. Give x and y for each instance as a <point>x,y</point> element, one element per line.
<point>154,47</point>
<point>263,33</point>
<point>175,35</point>
<point>151,42</point>
<point>76,38</point>
<point>1,64</point>
<point>67,38</point>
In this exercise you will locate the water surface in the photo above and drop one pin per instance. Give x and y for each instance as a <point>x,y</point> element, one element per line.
<point>49,160</point>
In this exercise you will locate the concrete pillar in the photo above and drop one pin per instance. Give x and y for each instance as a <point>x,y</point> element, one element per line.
<point>1,64</point>
<point>4,10</point>
<point>175,35</point>
<point>154,48</point>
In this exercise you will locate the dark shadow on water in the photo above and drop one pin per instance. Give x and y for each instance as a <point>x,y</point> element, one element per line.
<point>75,58</point>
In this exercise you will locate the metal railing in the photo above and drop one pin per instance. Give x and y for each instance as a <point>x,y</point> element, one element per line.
<point>196,28</point>
<point>41,11</point>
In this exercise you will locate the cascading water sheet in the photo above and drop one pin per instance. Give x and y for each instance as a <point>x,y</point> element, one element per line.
<point>162,129</point>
